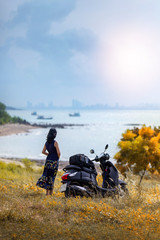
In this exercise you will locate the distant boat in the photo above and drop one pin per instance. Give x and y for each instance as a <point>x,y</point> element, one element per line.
<point>76,114</point>
<point>34,113</point>
<point>44,118</point>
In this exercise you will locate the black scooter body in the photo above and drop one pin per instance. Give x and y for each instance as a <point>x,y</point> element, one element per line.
<point>81,181</point>
<point>81,175</point>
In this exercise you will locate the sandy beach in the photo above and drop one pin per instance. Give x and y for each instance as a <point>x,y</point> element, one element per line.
<point>14,128</point>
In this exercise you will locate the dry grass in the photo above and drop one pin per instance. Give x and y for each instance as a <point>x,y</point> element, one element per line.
<point>26,213</point>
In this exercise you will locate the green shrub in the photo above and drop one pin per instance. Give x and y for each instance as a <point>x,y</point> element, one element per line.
<point>28,164</point>
<point>11,167</point>
<point>18,120</point>
<point>6,118</point>
<point>3,165</point>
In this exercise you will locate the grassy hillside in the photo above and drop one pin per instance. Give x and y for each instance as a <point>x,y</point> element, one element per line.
<point>26,213</point>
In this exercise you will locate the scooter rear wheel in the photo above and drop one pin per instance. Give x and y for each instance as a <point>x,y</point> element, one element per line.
<point>70,192</point>
<point>67,193</point>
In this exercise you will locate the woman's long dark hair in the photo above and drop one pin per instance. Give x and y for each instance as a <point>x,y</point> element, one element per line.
<point>51,135</point>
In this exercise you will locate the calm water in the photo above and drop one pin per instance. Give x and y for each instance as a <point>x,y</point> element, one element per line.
<point>101,127</point>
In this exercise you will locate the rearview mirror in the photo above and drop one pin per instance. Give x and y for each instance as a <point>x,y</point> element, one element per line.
<point>106,146</point>
<point>92,151</point>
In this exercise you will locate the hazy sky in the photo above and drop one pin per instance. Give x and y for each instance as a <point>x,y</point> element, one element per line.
<point>104,51</point>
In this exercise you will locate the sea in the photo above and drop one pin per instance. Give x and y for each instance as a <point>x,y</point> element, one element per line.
<point>98,129</point>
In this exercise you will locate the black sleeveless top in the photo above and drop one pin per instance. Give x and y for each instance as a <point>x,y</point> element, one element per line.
<point>52,151</point>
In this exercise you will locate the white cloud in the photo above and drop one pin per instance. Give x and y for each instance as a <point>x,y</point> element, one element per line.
<point>18,31</point>
<point>24,58</point>
<point>86,15</point>
<point>8,8</point>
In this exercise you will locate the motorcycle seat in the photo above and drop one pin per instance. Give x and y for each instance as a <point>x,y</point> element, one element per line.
<point>71,167</point>
<point>89,170</point>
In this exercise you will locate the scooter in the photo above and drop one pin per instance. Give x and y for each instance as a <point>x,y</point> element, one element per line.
<point>80,175</point>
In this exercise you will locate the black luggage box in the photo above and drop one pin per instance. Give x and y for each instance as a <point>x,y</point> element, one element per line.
<point>81,160</point>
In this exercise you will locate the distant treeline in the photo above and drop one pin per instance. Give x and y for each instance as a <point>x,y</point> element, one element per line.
<point>6,118</point>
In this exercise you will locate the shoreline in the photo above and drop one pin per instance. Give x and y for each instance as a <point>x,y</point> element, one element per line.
<point>16,128</point>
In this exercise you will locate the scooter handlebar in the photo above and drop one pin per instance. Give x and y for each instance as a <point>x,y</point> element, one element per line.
<point>105,157</point>
<point>96,159</point>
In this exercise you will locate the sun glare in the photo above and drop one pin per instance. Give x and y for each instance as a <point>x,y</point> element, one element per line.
<point>131,59</point>
<point>130,62</point>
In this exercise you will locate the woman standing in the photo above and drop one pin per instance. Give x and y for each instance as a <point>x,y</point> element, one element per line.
<point>51,150</point>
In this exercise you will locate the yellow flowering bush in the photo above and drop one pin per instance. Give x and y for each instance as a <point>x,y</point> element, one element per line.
<point>139,150</point>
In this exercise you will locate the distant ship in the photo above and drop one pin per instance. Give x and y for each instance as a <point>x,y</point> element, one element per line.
<point>34,113</point>
<point>76,114</point>
<point>44,118</point>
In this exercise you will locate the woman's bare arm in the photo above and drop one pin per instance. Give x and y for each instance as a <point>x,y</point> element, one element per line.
<point>57,148</point>
<point>44,151</point>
